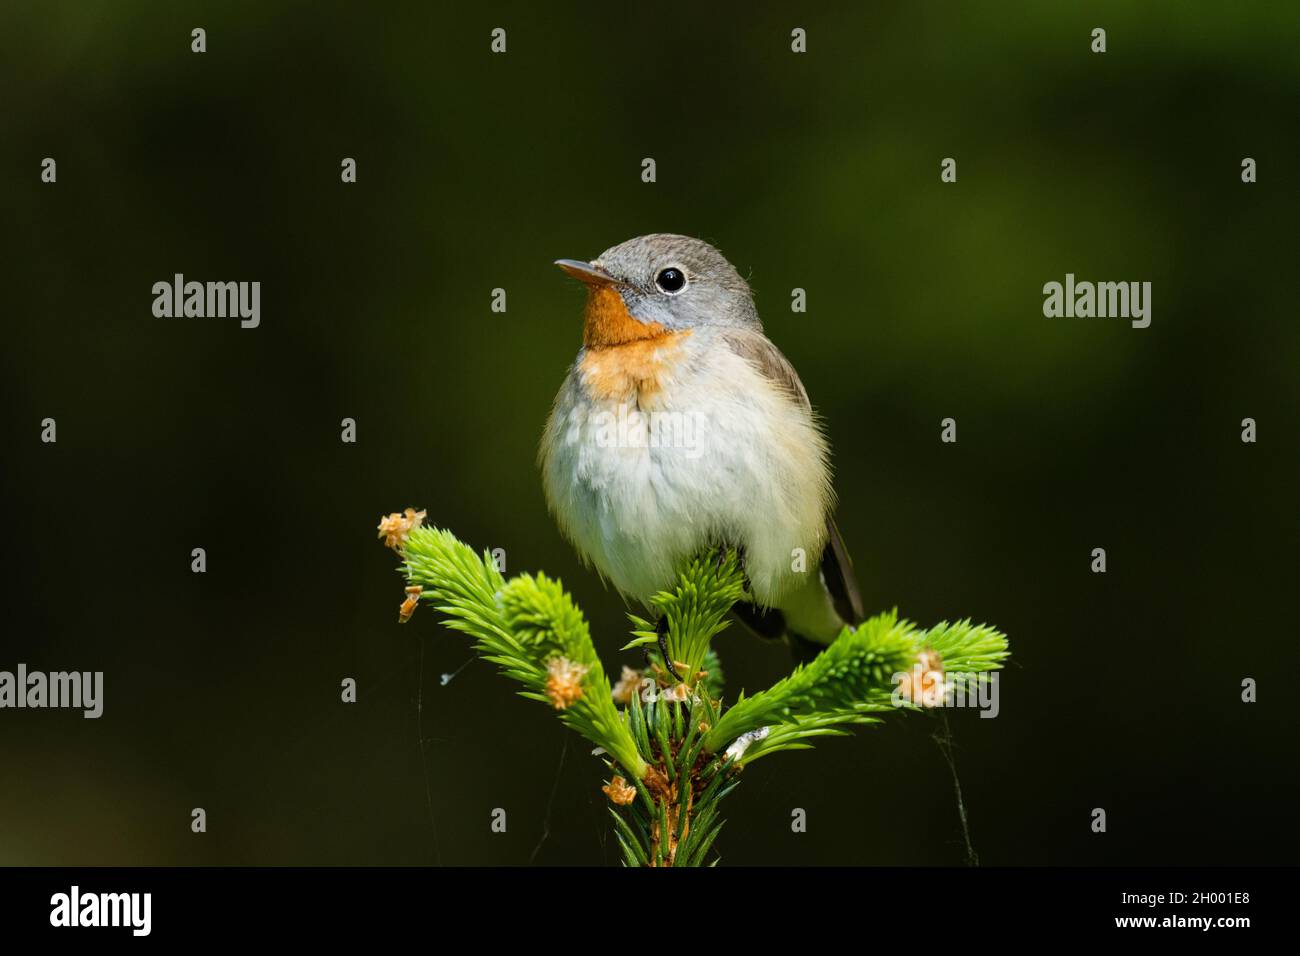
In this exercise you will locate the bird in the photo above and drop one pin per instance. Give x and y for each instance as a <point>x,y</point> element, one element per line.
<point>681,427</point>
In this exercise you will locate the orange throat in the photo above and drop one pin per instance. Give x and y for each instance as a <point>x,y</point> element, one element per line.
<point>626,359</point>
<point>607,322</point>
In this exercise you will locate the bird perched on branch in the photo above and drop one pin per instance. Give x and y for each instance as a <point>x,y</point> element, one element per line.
<point>681,427</point>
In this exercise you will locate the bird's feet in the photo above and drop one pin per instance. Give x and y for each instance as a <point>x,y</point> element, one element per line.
<point>661,628</point>
<point>727,550</point>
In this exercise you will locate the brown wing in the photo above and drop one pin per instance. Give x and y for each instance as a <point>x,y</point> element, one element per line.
<point>836,565</point>
<point>758,350</point>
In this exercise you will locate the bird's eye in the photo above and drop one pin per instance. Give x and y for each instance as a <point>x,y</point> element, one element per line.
<point>671,280</point>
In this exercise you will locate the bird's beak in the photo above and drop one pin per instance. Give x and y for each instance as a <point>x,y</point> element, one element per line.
<point>592,275</point>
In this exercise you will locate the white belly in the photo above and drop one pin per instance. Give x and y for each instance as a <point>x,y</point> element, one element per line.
<point>711,458</point>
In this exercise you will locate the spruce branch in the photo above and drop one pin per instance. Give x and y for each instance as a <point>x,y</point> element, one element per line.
<point>681,750</point>
<point>695,611</point>
<point>530,628</point>
<point>852,679</point>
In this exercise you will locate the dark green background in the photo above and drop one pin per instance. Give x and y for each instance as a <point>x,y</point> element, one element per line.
<point>475,171</point>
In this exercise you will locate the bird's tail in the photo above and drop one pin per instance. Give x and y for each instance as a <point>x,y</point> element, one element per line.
<point>813,615</point>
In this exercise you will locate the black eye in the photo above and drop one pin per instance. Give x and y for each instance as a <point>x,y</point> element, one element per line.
<point>671,280</point>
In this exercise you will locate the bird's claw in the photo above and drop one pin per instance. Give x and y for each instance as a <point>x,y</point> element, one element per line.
<point>661,628</point>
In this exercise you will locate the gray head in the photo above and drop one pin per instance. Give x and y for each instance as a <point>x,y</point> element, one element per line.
<point>673,281</point>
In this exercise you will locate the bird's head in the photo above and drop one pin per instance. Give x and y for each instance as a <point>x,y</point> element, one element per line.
<point>656,285</point>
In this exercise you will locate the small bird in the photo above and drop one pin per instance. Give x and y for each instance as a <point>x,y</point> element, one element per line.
<point>681,427</point>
